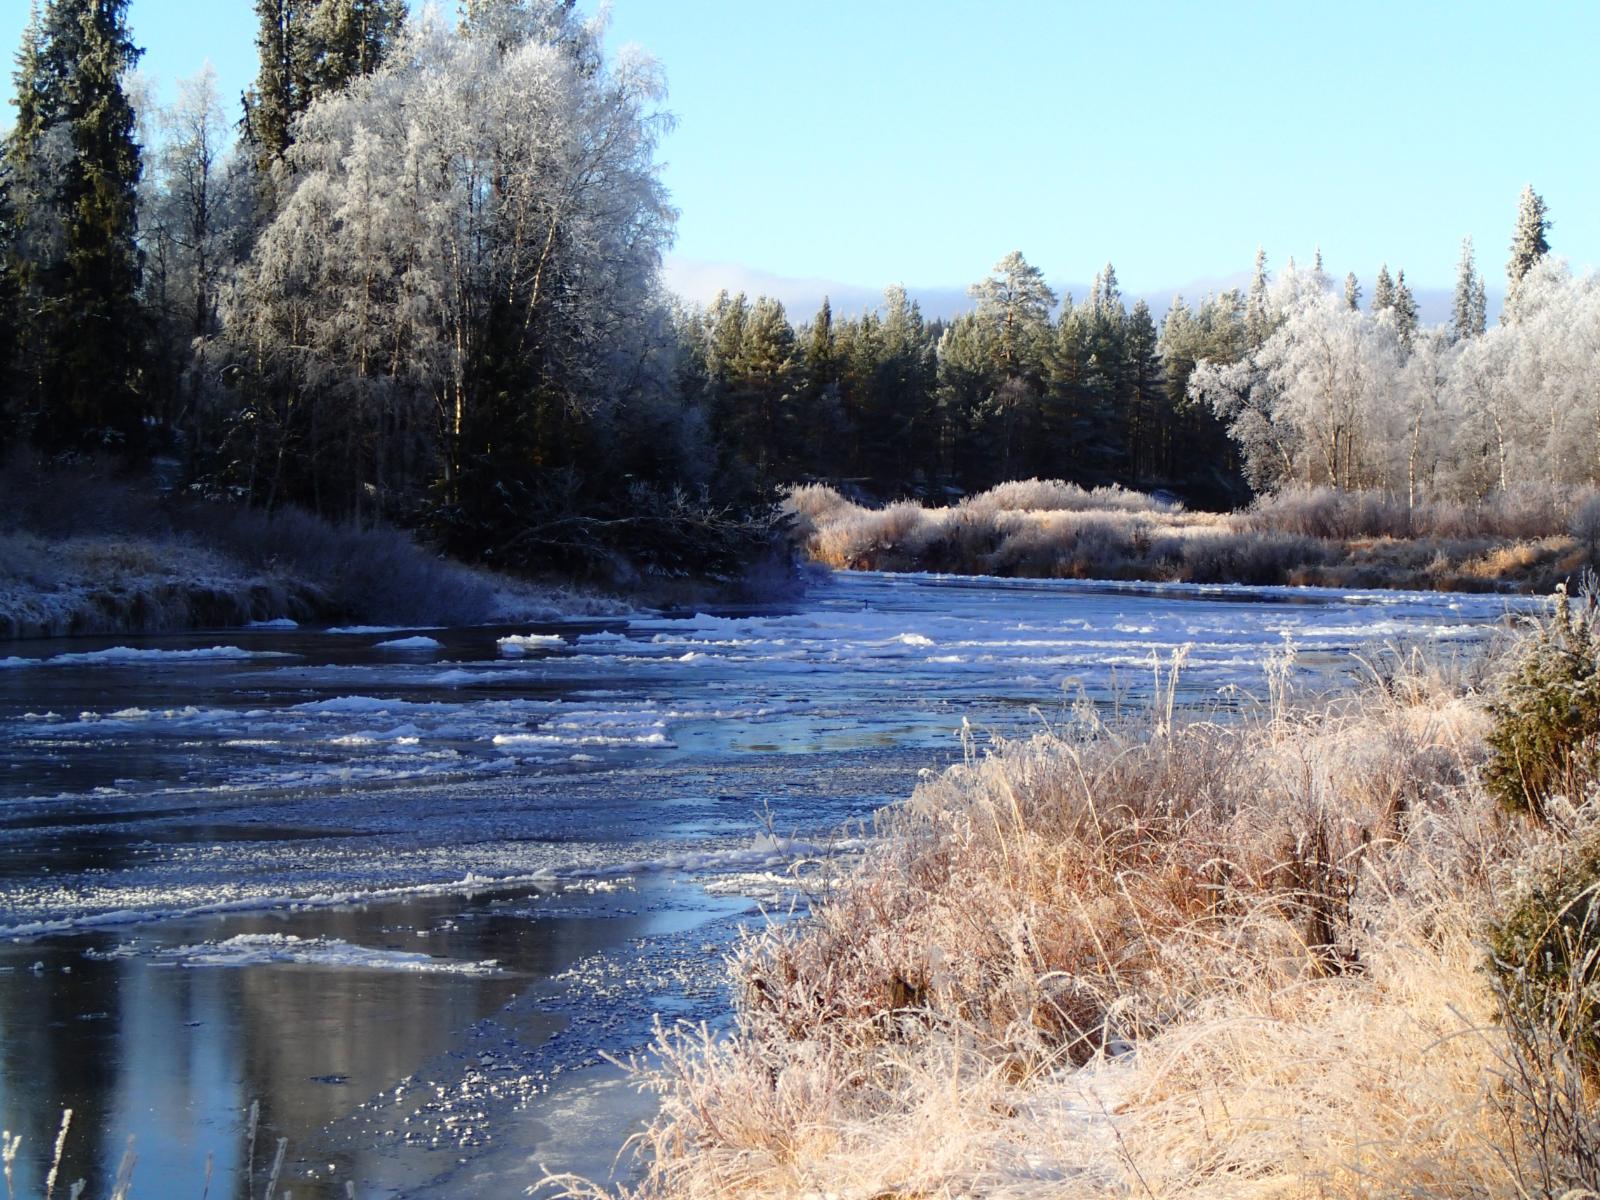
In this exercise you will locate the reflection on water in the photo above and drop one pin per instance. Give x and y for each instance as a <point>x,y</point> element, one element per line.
<point>136,1043</point>
<point>584,809</point>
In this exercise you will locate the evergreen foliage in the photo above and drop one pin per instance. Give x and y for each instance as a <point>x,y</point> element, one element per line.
<point>1468,306</point>
<point>1404,309</point>
<point>1383,291</point>
<point>1528,245</point>
<point>1547,720</point>
<point>72,170</point>
<point>1545,953</point>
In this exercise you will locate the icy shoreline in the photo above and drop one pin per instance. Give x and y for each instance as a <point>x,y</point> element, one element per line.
<point>119,585</point>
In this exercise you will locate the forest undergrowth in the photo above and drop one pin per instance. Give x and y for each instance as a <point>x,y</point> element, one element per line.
<point>1525,539</point>
<point>1299,950</point>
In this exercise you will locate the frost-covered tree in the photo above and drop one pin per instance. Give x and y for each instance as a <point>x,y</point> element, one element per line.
<point>1528,246</point>
<point>307,49</point>
<point>194,225</point>
<point>1383,291</point>
<point>1352,291</point>
<point>1257,317</point>
<point>474,233</point>
<point>1468,317</point>
<point>1405,310</point>
<point>1421,398</point>
<point>1304,407</point>
<point>1015,300</point>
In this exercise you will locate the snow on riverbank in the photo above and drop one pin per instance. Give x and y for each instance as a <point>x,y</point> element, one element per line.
<point>109,584</point>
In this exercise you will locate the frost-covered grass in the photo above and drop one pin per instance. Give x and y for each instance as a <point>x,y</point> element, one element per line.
<point>1172,957</point>
<point>85,552</point>
<point>1526,539</point>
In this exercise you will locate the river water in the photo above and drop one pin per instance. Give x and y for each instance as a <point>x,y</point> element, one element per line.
<point>401,889</point>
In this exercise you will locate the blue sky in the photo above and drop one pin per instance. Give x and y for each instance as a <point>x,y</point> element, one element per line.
<point>844,144</point>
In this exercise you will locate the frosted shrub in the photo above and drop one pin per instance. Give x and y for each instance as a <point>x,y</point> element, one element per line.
<point>1546,951</point>
<point>1329,513</point>
<point>1547,717</point>
<point>1053,495</point>
<point>816,503</point>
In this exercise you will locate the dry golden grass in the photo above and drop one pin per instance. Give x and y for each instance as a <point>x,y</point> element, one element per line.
<point>1170,958</point>
<point>1048,529</point>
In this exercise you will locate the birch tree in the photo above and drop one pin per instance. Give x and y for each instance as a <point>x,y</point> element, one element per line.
<point>477,225</point>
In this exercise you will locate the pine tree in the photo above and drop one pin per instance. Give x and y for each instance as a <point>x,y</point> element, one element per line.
<point>1467,317</point>
<point>1016,299</point>
<point>1405,310</point>
<point>1383,291</point>
<point>1528,245</point>
<point>73,169</point>
<point>1352,291</point>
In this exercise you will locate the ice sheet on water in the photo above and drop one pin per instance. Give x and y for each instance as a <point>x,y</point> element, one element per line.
<point>420,642</point>
<point>275,623</point>
<point>118,655</point>
<point>375,629</point>
<point>259,949</point>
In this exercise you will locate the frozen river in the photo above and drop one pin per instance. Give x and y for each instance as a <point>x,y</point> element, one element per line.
<point>403,887</point>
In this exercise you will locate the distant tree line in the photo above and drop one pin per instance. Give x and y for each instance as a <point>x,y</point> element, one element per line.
<point>895,404</point>
<point>419,283</point>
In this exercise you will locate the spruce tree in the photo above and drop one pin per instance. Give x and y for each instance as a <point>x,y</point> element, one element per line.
<point>1352,292</point>
<point>72,168</point>
<point>1528,245</point>
<point>1257,322</point>
<point>308,49</point>
<point>1405,310</point>
<point>1383,291</point>
<point>281,87</point>
<point>346,39</point>
<point>1467,317</point>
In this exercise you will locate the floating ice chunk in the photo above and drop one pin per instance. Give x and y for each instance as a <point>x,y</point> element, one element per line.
<point>608,637</point>
<point>353,704</point>
<point>275,623</point>
<point>518,644</point>
<point>411,643</point>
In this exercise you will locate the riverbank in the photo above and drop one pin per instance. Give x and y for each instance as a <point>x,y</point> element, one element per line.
<point>1167,957</point>
<point>1517,542</point>
<point>83,551</point>
<point>129,584</point>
